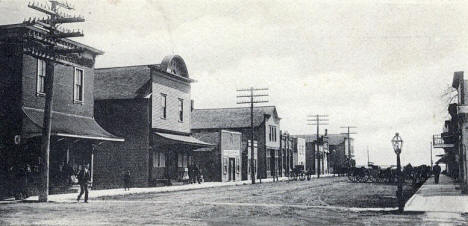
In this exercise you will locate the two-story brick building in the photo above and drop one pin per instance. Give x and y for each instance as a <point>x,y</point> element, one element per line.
<point>75,135</point>
<point>149,106</point>
<point>266,134</point>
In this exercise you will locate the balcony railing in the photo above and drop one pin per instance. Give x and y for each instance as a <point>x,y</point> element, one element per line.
<point>438,141</point>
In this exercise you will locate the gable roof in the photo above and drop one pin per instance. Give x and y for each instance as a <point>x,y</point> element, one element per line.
<point>333,139</point>
<point>223,118</point>
<point>122,82</point>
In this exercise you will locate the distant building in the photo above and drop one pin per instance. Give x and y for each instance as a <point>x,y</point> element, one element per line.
<point>284,160</point>
<point>332,156</point>
<point>223,161</point>
<point>75,134</point>
<point>150,106</point>
<point>266,134</point>
<point>299,152</point>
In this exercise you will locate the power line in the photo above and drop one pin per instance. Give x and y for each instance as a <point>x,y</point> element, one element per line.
<point>249,96</point>
<point>50,49</point>
<point>348,133</point>
<point>317,120</point>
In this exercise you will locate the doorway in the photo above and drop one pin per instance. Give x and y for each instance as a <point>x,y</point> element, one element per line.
<point>232,169</point>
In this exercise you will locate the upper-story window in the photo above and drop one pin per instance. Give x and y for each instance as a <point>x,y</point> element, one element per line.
<point>181,110</point>
<point>78,85</point>
<point>163,106</point>
<point>41,74</point>
<point>272,133</point>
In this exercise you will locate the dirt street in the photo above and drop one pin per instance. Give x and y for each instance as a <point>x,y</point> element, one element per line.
<point>320,201</point>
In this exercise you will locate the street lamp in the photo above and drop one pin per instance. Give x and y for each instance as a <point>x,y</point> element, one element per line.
<point>397,143</point>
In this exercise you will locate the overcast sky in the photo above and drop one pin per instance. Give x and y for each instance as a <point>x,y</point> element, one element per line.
<point>379,66</point>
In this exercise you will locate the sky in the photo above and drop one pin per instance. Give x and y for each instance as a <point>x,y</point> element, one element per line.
<point>380,66</point>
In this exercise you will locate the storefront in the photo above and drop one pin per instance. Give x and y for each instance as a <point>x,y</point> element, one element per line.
<point>74,140</point>
<point>172,155</point>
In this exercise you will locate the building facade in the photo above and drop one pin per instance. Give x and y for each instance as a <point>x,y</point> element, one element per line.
<point>223,161</point>
<point>266,134</point>
<point>454,137</point>
<point>299,152</point>
<point>75,135</point>
<point>332,155</point>
<point>153,107</point>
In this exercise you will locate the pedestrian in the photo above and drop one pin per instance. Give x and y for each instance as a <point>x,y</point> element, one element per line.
<point>196,173</point>
<point>83,179</point>
<point>126,179</point>
<point>436,170</point>
<point>190,174</point>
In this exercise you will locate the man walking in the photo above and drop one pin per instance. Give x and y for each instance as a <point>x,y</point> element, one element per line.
<point>436,171</point>
<point>83,179</point>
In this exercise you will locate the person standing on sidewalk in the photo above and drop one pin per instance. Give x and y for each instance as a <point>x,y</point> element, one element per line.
<point>83,179</point>
<point>436,170</point>
<point>126,179</point>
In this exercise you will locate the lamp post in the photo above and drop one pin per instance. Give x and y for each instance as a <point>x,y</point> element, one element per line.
<point>397,143</point>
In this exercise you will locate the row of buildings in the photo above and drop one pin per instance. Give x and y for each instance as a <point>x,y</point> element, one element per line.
<point>454,137</point>
<point>139,119</point>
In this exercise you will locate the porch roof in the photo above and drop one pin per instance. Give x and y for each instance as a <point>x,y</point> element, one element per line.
<point>171,139</point>
<point>65,125</point>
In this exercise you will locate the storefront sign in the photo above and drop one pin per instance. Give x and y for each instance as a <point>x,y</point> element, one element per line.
<point>231,153</point>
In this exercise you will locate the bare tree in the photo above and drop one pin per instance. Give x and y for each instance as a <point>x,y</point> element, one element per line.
<point>449,95</point>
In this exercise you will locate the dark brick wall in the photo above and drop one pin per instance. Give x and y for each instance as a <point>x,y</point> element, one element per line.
<point>10,94</point>
<point>129,119</point>
<point>337,157</point>
<point>310,156</point>
<point>63,88</point>
<point>209,161</point>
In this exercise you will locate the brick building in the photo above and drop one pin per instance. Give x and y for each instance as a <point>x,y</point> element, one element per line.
<point>150,106</point>
<point>75,135</point>
<point>266,134</point>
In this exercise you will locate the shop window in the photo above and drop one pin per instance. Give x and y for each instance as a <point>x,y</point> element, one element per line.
<point>225,162</point>
<point>162,159</point>
<point>238,165</point>
<point>159,159</point>
<point>180,160</point>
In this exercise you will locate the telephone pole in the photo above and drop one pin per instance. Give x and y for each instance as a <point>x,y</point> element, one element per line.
<point>48,49</point>
<point>348,133</point>
<point>317,120</point>
<point>432,163</point>
<point>251,96</point>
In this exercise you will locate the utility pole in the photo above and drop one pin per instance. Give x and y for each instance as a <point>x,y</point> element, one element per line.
<point>368,161</point>
<point>432,163</point>
<point>348,133</point>
<point>48,49</point>
<point>317,120</point>
<point>251,98</point>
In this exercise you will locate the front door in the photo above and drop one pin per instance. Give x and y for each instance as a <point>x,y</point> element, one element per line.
<point>232,169</point>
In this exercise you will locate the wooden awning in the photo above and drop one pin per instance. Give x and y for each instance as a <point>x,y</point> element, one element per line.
<point>65,125</point>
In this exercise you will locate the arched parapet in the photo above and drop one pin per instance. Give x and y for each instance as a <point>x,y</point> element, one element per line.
<point>174,64</point>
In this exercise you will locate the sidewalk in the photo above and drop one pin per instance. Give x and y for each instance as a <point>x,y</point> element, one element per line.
<point>186,187</point>
<point>443,197</point>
